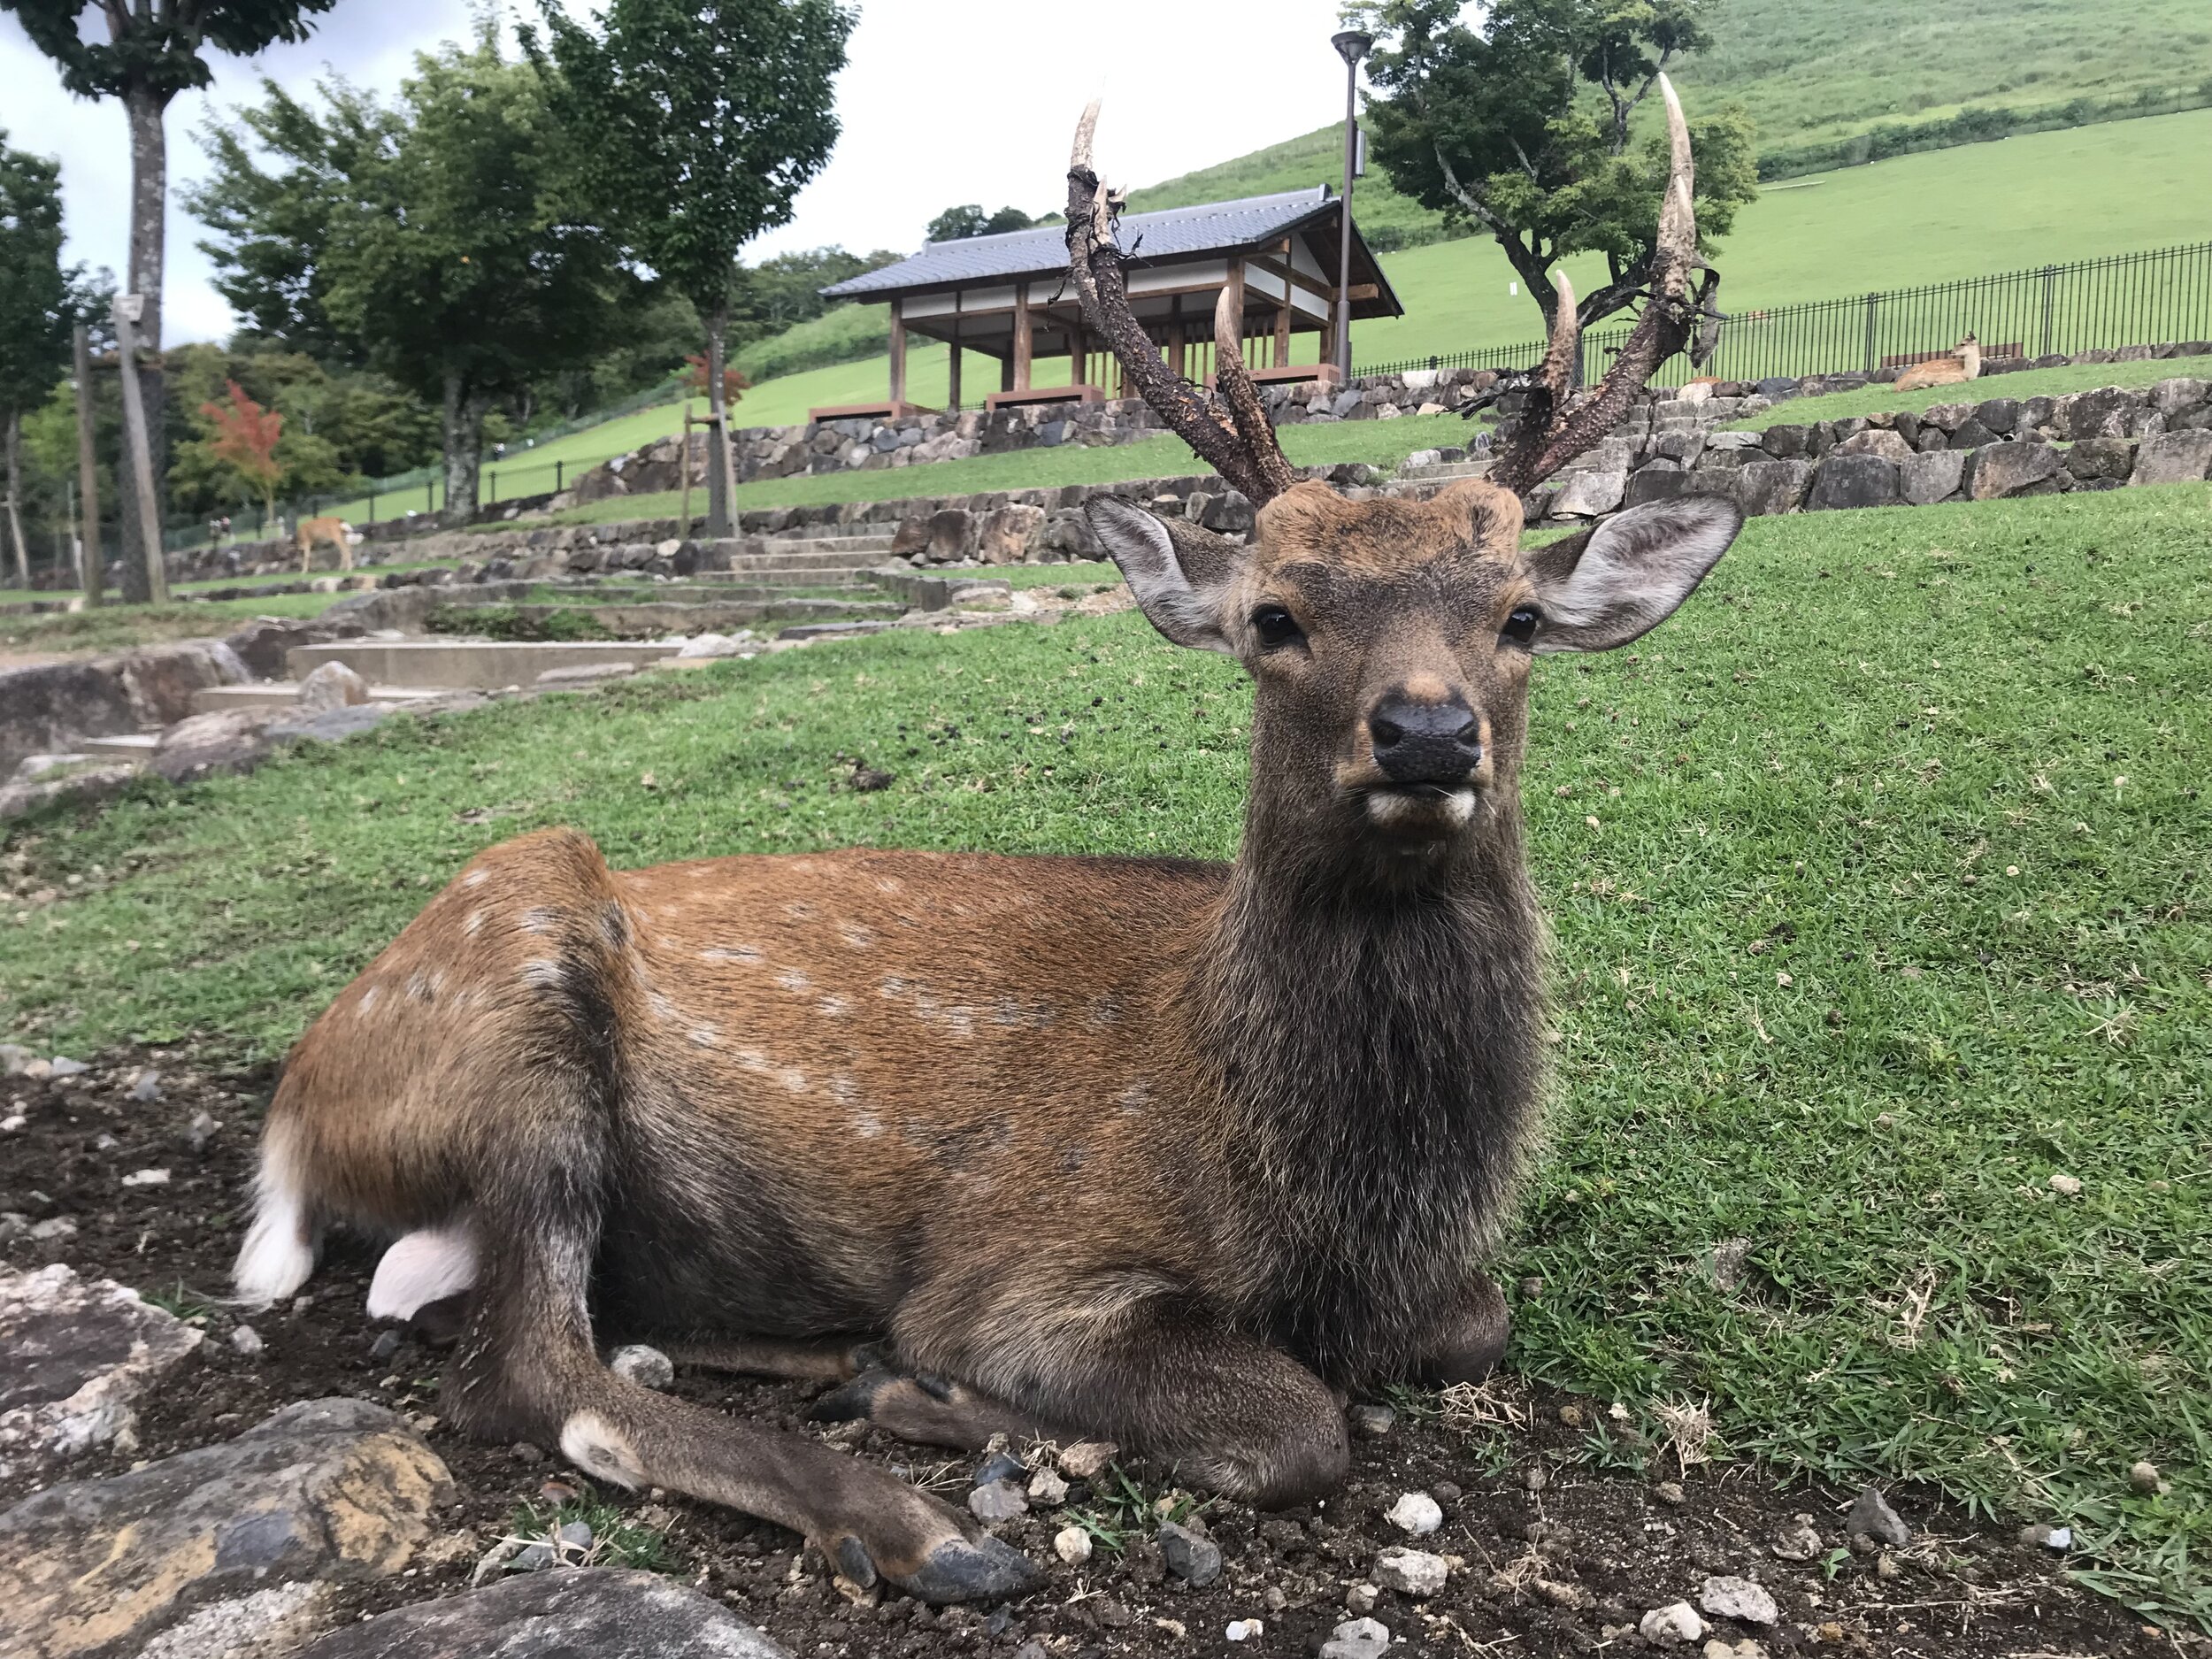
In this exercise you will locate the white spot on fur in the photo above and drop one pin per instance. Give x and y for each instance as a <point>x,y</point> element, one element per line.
<point>278,1255</point>
<point>793,979</point>
<point>419,986</point>
<point>751,1059</point>
<point>890,884</point>
<point>801,911</point>
<point>858,937</point>
<point>959,1021</point>
<point>424,1267</point>
<point>543,972</point>
<point>704,1036</point>
<point>894,988</point>
<point>833,1007</point>
<point>1136,1097</point>
<point>843,1089</point>
<point>793,1079</point>
<point>540,920</point>
<point>1105,1011</point>
<point>747,954</point>
<point>474,878</point>
<point>663,1009</point>
<point>369,994</point>
<point>867,1125</point>
<point>474,922</point>
<point>595,1445</point>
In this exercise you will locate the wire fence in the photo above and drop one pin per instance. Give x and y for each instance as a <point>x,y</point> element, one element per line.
<point>2092,305</point>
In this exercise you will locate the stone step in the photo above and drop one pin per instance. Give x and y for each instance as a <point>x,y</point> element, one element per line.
<point>120,745</point>
<point>277,693</point>
<point>1442,470</point>
<point>468,664</point>
<point>815,534</point>
<point>789,567</point>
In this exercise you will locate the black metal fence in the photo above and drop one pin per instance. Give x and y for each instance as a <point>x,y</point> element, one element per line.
<point>2121,300</point>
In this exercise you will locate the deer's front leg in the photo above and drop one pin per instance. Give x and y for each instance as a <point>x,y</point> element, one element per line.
<point>1470,1338</point>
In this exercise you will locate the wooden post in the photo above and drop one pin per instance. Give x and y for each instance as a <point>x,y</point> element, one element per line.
<point>1282,335</point>
<point>1236,287</point>
<point>1023,338</point>
<point>683,471</point>
<point>1006,373</point>
<point>1178,354</point>
<point>95,571</point>
<point>1078,356</point>
<point>898,354</point>
<point>135,446</point>
<point>952,364</point>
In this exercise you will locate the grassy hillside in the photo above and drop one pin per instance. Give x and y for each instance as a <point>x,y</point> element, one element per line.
<point>1299,164</point>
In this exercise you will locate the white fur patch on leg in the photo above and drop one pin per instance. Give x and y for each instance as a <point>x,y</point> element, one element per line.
<point>593,1444</point>
<point>422,1268</point>
<point>278,1255</point>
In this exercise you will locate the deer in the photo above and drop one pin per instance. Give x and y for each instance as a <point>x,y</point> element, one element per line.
<point>1180,1156</point>
<point>337,531</point>
<point>1962,363</point>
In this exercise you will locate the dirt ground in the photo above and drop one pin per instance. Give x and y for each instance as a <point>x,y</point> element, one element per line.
<point>1558,1557</point>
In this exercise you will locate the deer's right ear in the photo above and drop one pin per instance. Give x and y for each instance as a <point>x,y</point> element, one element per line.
<point>1180,574</point>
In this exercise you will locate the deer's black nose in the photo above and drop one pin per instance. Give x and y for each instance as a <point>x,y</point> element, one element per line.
<point>1420,742</point>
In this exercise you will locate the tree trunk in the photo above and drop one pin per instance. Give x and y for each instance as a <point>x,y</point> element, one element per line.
<point>150,192</point>
<point>717,434</point>
<point>464,412</point>
<point>15,499</point>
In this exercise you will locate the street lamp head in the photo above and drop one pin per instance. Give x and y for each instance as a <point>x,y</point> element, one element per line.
<point>1352,45</point>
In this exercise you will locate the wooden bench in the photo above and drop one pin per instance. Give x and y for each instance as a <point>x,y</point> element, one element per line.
<point>1989,353</point>
<point>1047,395</point>
<point>867,411</point>
<point>1294,374</point>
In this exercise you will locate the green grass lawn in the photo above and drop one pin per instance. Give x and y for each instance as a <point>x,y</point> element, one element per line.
<point>1894,908</point>
<point>2079,377</point>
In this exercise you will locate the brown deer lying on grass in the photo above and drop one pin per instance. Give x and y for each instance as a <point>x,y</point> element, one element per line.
<point>1964,363</point>
<point>1169,1153</point>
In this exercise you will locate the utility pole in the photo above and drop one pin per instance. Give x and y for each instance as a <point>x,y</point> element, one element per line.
<point>1351,46</point>
<point>136,446</point>
<point>88,484</point>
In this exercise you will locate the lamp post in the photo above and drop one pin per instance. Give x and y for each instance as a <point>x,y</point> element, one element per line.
<point>1351,46</point>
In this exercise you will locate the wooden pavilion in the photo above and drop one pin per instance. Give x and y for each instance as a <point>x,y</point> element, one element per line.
<point>1007,297</point>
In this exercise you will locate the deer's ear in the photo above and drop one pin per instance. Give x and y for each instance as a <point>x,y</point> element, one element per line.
<point>1610,585</point>
<point>1179,573</point>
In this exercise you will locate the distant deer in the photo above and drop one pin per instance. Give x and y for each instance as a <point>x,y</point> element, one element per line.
<point>337,531</point>
<point>1963,364</point>
<point>1169,1153</point>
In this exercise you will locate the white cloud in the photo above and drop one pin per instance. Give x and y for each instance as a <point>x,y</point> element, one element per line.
<point>943,102</point>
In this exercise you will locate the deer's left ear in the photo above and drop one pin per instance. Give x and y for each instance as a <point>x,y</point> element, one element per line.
<point>1179,573</point>
<point>1614,583</point>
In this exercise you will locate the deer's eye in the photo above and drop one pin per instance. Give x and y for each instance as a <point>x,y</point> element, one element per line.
<point>1520,627</point>
<point>1276,626</point>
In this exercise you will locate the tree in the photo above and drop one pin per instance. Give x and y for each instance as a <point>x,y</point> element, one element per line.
<point>735,385</point>
<point>37,310</point>
<point>450,244</point>
<point>958,224</point>
<point>696,122</point>
<point>153,51</point>
<point>244,436</point>
<point>1521,125</point>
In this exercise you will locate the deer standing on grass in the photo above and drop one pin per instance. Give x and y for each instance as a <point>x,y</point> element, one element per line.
<point>337,531</point>
<point>1964,363</point>
<point>1174,1153</point>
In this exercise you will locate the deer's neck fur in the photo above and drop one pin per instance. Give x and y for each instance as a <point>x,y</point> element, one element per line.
<point>1376,1045</point>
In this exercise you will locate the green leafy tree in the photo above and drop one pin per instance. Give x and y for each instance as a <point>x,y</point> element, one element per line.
<point>37,310</point>
<point>696,122</point>
<point>958,224</point>
<point>450,244</point>
<point>1520,121</point>
<point>144,53</point>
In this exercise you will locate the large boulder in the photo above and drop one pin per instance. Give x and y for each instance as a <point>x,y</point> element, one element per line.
<point>2094,458</point>
<point>1764,487</point>
<point>1587,495</point>
<point>2173,397</point>
<point>261,644</point>
<point>330,685</point>
<point>48,708</point>
<point>2173,458</point>
<point>2003,470</point>
<point>1654,480</point>
<point>1007,534</point>
<point>952,535</point>
<point>74,1356</point>
<point>328,1489</point>
<point>1785,441</point>
<point>1876,441</point>
<point>1853,480</point>
<point>2102,412</point>
<point>1935,476</point>
<point>601,1611</point>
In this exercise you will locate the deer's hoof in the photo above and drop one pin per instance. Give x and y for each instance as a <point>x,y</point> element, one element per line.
<point>979,1568</point>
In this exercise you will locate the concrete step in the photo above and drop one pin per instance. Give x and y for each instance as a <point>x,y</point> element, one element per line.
<point>793,570</point>
<point>819,535</point>
<point>1444,470</point>
<point>277,693</point>
<point>465,665</point>
<point>120,746</point>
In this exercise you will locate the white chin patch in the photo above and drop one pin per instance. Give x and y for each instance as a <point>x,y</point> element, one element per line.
<point>422,1268</point>
<point>1409,813</point>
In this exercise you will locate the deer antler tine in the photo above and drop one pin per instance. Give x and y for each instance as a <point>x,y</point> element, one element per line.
<point>1566,334</point>
<point>1233,380</point>
<point>1676,243</point>
<point>1085,129</point>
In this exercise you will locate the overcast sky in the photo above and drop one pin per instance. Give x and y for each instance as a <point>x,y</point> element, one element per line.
<point>943,102</point>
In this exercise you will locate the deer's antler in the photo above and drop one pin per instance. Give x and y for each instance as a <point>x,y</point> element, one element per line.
<point>1553,436</point>
<point>1237,440</point>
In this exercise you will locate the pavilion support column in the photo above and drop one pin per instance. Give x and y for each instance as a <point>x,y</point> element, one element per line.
<point>898,354</point>
<point>1023,338</point>
<point>1006,373</point>
<point>1282,335</point>
<point>1236,287</point>
<point>1178,356</point>
<point>1078,356</point>
<point>952,366</point>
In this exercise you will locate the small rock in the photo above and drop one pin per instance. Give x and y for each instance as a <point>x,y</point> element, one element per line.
<point>1047,1489</point>
<point>2144,1478</point>
<point>1196,1561</point>
<point>1667,1626</point>
<point>1726,1596</point>
<point>999,1500</point>
<point>1086,1459</point>
<point>1000,1466</point>
<point>15,1060</point>
<point>1416,1513</point>
<point>1871,1518</point>
<point>147,1177</point>
<point>1413,1573</point>
<point>648,1367</point>
<point>1446,1491</point>
<point>59,1067</point>
<point>573,1538</point>
<point>1798,1540</point>
<point>1560,1593</point>
<point>2066,1186</point>
<point>2042,1535</point>
<point>1535,1477</point>
<point>11,1123</point>
<point>79,1353</point>
<point>531,1558</point>
<point>1244,1630</point>
<point>1371,1419</point>
<point>53,1227</point>
<point>386,1345</point>
<point>1360,1598</point>
<point>1885,1567</point>
<point>1357,1639</point>
<point>200,1131</point>
<point>146,1086</point>
<point>1744,1649</point>
<point>247,1341</point>
<point>1072,1545</point>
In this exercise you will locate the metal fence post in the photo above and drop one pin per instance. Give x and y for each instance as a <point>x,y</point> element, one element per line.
<point>1873,304</point>
<point>557,476</point>
<point>2050,287</point>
